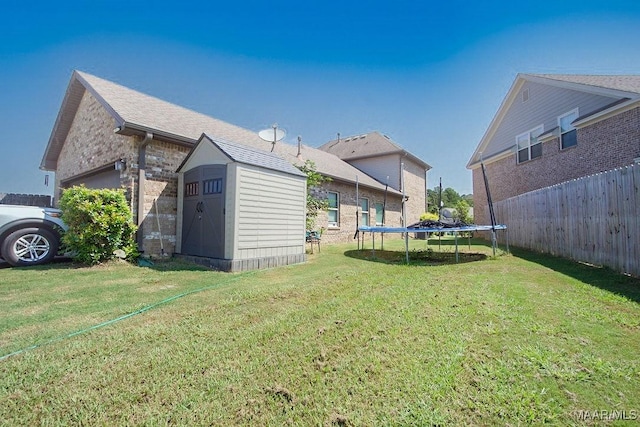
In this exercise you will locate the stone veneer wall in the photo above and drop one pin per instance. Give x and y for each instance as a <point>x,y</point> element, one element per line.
<point>605,145</point>
<point>91,144</point>
<point>161,197</point>
<point>345,231</point>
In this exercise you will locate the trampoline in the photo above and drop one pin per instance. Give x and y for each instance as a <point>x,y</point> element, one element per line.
<point>429,230</point>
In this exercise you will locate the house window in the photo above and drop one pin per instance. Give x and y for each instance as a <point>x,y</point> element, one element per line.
<point>191,189</point>
<point>379,214</point>
<point>528,145</point>
<point>212,186</point>
<point>568,134</point>
<point>333,212</point>
<point>364,204</point>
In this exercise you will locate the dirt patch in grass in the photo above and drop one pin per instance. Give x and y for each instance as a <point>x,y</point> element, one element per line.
<point>416,257</point>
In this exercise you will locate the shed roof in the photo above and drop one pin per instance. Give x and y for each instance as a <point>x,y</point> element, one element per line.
<point>135,112</point>
<point>250,156</point>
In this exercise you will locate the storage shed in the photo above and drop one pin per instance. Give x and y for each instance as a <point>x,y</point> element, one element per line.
<point>240,208</point>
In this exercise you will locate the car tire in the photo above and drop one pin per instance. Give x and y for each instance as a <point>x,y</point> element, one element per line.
<point>30,246</point>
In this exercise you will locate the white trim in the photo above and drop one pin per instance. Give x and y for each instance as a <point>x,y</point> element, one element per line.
<point>562,116</point>
<point>335,224</point>
<point>529,145</point>
<point>367,213</point>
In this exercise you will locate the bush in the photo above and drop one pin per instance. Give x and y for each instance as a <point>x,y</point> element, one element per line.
<point>99,223</point>
<point>429,216</point>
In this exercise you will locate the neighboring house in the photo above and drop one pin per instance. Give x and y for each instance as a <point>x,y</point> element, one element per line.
<point>379,156</point>
<point>107,135</point>
<point>555,128</point>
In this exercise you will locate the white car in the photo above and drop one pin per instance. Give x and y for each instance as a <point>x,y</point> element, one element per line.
<point>29,235</point>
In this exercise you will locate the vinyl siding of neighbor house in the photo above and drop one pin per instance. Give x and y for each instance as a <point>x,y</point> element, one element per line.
<point>602,146</point>
<point>380,167</point>
<point>269,211</point>
<point>545,103</point>
<point>414,179</point>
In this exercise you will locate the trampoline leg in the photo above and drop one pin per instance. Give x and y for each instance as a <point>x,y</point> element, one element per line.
<point>455,235</point>
<point>406,245</point>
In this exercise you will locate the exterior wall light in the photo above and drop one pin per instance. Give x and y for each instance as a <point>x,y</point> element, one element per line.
<point>120,165</point>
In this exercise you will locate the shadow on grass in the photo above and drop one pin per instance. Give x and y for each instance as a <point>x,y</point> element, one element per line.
<point>416,257</point>
<point>66,263</point>
<point>600,277</point>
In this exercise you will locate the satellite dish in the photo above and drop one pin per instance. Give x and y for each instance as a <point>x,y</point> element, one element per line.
<point>272,135</point>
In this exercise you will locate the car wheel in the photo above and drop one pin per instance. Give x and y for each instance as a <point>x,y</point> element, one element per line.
<point>30,246</point>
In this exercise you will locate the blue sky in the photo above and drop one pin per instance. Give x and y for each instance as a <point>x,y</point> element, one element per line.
<point>429,76</point>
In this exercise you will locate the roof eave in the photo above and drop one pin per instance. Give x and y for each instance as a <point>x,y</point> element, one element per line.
<point>493,158</point>
<point>130,129</point>
<point>607,113</point>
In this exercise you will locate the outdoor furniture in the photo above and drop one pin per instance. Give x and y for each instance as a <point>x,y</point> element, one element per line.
<point>313,237</point>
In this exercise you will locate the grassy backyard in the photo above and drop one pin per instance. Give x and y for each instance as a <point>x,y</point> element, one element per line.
<point>349,338</point>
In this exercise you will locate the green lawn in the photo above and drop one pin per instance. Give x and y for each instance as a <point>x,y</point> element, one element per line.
<point>349,338</point>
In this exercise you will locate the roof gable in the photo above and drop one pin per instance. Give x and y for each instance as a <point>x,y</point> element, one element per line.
<point>610,91</point>
<point>373,144</point>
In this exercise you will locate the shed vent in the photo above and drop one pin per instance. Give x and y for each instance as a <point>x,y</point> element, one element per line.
<point>525,95</point>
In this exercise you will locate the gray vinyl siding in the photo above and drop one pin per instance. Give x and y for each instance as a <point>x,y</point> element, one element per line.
<point>544,106</point>
<point>380,167</point>
<point>270,213</point>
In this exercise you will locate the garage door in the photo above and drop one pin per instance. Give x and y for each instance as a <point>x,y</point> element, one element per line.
<point>105,179</point>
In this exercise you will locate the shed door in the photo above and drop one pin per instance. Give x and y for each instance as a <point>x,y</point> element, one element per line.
<point>203,211</point>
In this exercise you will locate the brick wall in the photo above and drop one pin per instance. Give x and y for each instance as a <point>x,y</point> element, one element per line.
<point>161,197</point>
<point>91,144</point>
<point>345,231</point>
<point>415,187</point>
<point>605,145</point>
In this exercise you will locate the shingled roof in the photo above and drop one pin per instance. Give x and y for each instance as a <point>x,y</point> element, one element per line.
<point>372,144</point>
<point>249,156</point>
<point>135,112</point>
<point>624,83</point>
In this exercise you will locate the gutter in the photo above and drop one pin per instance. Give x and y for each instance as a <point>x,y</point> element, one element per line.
<point>142,166</point>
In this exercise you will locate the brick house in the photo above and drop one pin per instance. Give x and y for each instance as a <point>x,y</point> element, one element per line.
<point>379,156</point>
<point>554,128</point>
<point>107,135</point>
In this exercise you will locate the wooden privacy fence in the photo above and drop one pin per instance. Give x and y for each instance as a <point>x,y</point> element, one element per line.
<point>25,199</point>
<point>595,219</point>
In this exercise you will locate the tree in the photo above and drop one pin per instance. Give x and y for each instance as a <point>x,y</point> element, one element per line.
<point>315,202</point>
<point>462,212</point>
<point>450,198</point>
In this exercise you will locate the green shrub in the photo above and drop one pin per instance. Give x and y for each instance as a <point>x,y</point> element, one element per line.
<point>99,223</point>
<point>429,216</point>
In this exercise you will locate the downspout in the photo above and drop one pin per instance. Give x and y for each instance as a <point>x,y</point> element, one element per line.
<point>142,166</point>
